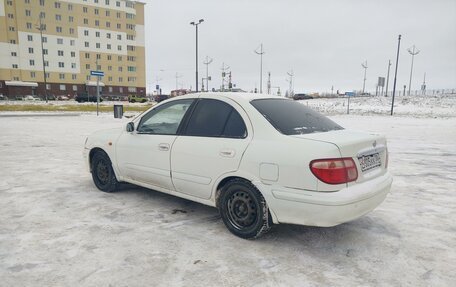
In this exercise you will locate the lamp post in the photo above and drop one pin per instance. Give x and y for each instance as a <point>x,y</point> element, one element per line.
<point>395,72</point>
<point>364,65</point>
<point>196,28</point>
<point>42,57</point>
<point>261,52</point>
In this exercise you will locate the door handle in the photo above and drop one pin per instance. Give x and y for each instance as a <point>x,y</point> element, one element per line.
<point>163,147</point>
<point>227,153</point>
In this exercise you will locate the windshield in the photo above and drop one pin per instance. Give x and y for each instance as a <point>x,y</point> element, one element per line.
<point>293,118</point>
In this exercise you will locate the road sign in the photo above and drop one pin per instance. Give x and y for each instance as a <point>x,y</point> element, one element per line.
<point>381,82</point>
<point>97,73</point>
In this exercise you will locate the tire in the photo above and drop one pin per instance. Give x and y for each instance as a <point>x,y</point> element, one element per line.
<point>244,210</point>
<point>102,173</point>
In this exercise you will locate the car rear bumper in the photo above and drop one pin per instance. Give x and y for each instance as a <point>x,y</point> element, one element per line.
<point>325,209</point>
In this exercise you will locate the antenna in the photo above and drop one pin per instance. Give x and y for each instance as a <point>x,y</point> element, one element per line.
<point>261,52</point>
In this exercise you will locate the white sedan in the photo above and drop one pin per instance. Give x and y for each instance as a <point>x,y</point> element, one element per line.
<point>259,159</point>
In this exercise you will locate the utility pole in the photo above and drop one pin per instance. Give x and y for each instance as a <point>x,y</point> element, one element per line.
<point>196,28</point>
<point>291,92</point>
<point>364,65</point>
<point>269,83</point>
<point>387,78</point>
<point>42,57</point>
<point>395,73</point>
<point>230,84</point>
<point>207,62</point>
<point>412,52</point>
<point>423,87</point>
<point>261,52</point>
<point>98,83</point>
<point>224,69</point>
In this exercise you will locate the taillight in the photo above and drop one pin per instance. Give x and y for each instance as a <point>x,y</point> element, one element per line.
<point>334,170</point>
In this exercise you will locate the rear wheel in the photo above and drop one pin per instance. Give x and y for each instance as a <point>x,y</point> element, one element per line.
<point>102,173</point>
<point>244,210</point>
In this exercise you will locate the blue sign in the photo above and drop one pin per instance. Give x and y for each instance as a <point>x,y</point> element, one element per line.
<point>157,87</point>
<point>97,73</point>
<point>350,94</point>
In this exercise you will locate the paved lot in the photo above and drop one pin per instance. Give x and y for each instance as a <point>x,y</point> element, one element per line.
<point>56,229</point>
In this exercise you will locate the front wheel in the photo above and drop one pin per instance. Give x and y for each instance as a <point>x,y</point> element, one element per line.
<point>244,210</point>
<point>102,173</point>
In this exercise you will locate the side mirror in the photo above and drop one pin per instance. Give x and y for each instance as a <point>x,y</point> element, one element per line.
<point>130,127</point>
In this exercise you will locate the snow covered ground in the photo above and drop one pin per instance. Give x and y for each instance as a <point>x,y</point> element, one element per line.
<point>57,229</point>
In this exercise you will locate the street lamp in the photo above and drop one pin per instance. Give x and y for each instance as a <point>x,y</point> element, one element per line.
<point>196,27</point>
<point>364,65</point>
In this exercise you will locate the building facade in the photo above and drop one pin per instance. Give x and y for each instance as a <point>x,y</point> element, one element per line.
<point>79,36</point>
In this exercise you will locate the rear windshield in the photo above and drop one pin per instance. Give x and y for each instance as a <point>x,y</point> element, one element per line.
<point>293,118</point>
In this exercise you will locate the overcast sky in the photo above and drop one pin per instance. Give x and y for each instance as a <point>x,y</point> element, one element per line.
<point>324,42</point>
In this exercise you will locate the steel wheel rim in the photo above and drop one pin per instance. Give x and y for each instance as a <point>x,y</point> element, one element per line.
<point>242,210</point>
<point>102,172</point>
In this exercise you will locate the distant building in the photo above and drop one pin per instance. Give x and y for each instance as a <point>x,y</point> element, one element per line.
<point>77,34</point>
<point>179,92</point>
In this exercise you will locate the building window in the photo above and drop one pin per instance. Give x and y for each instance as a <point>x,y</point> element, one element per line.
<point>98,45</point>
<point>110,89</point>
<point>11,16</point>
<point>97,22</point>
<point>119,37</point>
<point>98,56</point>
<point>42,2</point>
<point>32,74</point>
<point>87,55</point>
<point>62,87</point>
<point>119,69</point>
<point>60,53</point>
<point>61,65</point>
<point>131,69</point>
<point>72,42</point>
<point>131,58</point>
<point>121,89</point>
<point>58,17</point>
<point>30,50</point>
<point>95,1</point>
<point>86,44</point>
<point>87,66</point>
<point>118,3</point>
<point>98,67</point>
<point>132,89</point>
<point>96,11</point>
<point>43,15</point>
<point>119,47</point>
<point>29,25</point>
<point>28,13</point>
<point>9,2</point>
<point>88,78</point>
<point>97,34</point>
<point>45,51</point>
<point>131,37</point>
<point>110,78</point>
<point>32,62</point>
<point>119,26</point>
<point>57,5</point>
<point>75,87</point>
<point>45,39</point>
<point>13,41</point>
<point>71,30</point>
<point>120,79</point>
<point>62,76</point>
<point>108,35</point>
<point>60,41</point>
<point>48,86</point>
<point>119,58</point>
<point>108,46</point>
<point>70,19</point>
<point>109,68</point>
<point>73,65</point>
<point>70,7</point>
<point>29,38</point>
<point>108,24</point>
<point>84,9</point>
<point>13,54</point>
<point>58,29</point>
<point>86,32</point>
<point>86,21</point>
<point>118,14</point>
<point>46,64</point>
<point>129,4</point>
<point>15,78</point>
<point>108,13</point>
<point>131,48</point>
<point>27,1</point>
<point>11,28</point>
<point>15,66</point>
<point>73,54</point>
<point>107,2</point>
<point>109,57</point>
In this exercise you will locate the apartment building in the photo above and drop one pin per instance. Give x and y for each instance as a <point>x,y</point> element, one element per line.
<point>78,36</point>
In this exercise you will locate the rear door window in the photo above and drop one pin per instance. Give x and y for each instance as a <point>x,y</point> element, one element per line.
<point>293,118</point>
<point>214,118</point>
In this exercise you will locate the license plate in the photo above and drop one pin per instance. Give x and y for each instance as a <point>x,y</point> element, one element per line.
<point>369,162</point>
